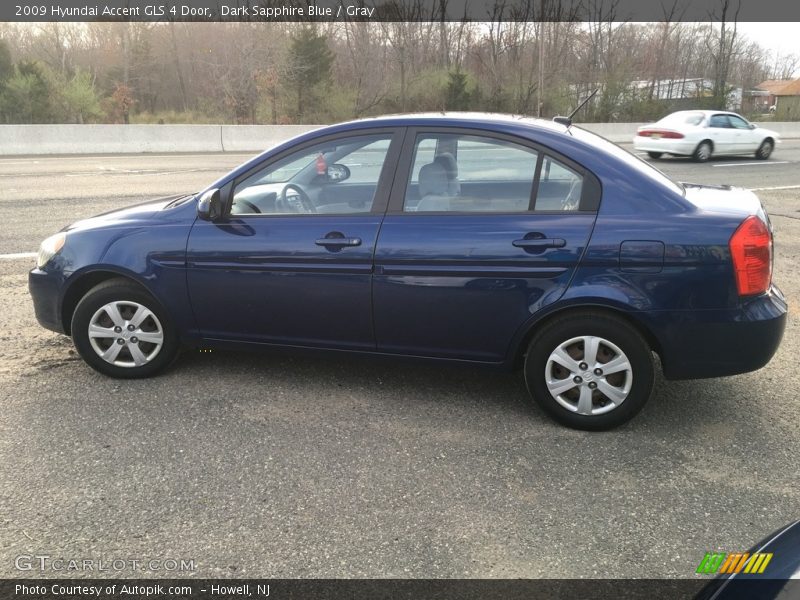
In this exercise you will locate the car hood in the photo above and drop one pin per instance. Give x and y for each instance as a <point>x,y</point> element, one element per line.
<point>130,215</point>
<point>724,199</point>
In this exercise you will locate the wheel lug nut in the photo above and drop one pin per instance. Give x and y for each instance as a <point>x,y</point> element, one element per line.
<point>134,340</point>
<point>117,329</point>
<point>131,327</point>
<point>578,379</point>
<point>592,385</point>
<point>120,341</point>
<point>598,371</point>
<point>583,366</point>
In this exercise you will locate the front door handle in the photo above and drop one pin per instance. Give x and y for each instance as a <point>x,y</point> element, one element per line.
<point>535,243</point>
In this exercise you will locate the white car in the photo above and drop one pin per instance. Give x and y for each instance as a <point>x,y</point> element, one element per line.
<point>703,133</point>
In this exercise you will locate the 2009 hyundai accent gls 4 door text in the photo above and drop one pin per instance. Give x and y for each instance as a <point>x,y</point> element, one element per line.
<point>466,237</point>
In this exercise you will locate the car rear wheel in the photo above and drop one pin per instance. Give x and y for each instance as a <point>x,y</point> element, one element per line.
<point>765,150</point>
<point>121,331</point>
<point>655,155</point>
<point>590,371</point>
<point>703,152</point>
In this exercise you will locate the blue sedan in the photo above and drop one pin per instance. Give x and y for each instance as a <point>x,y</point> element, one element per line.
<point>475,238</point>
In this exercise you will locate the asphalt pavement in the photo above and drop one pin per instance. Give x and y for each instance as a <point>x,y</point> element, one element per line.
<point>274,465</point>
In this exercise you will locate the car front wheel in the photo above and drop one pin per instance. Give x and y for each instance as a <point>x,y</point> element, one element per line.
<point>589,371</point>
<point>655,155</point>
<point>121,331</point>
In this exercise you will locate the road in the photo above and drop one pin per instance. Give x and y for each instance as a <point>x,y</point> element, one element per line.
<point>271,465</point>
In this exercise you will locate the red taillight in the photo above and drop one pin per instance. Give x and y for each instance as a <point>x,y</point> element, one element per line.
<point>660,133</point>
<point>751,252</point>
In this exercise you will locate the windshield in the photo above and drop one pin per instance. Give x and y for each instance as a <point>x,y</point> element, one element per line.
<point>629,159</point>
<point>682,118</point>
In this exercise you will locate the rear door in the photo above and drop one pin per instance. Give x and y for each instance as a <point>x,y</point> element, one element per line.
<point>722,134</point>
<point>482,231</point>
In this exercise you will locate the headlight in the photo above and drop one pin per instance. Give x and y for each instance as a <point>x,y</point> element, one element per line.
<point>49,248</point>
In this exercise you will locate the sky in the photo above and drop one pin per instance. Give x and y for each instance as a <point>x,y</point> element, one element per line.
<point>778,37</point>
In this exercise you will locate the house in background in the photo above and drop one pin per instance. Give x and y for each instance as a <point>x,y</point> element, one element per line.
<point>784,95</point>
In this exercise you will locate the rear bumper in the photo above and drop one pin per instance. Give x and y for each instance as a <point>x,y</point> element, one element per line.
<point>44,289</point>
<point>665,145</point>
<point>699,344</point>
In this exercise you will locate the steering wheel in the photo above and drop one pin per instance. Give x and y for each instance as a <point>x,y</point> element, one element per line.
<point>253,208</point>
<point>304,201</point>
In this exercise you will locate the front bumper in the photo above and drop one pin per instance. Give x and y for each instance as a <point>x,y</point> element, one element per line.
<point>699,344</point>
<point>44,288</point>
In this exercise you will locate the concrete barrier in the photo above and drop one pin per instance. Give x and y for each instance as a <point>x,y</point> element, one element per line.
<point>615,132</point>
<point>256,138</point>
<point>108,139</point>
<point>122,139</point>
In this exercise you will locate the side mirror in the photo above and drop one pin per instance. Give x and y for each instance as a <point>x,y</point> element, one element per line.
<point>209,207</point>
<point>337,172</point>
<point>752,125</point>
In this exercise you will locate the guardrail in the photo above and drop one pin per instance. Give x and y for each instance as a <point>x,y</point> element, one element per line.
<point>130,139</point>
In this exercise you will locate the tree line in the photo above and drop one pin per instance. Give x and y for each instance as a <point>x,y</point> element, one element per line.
<point>325,72</point>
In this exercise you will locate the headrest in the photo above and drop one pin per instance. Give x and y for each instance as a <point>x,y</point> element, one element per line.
<point>448,161</point>
<point>432,180</point>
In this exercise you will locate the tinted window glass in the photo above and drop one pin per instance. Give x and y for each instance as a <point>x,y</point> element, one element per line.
<point>337,177</point>
<point>465,173</point>
<point>719,121</point>
<point>559,187</point>
<point>738,122</point>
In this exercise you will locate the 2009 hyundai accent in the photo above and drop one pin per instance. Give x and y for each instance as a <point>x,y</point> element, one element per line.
<point>467,237</point>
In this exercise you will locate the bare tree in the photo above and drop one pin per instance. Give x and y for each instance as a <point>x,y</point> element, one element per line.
<point>721,45</point>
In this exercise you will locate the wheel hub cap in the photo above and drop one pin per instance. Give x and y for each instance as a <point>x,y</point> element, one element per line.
<point>125,334</point>
<point>595,390</point>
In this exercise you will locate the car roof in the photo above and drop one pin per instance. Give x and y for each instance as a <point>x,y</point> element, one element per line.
<point>704,111</point>
<point>451,118</point>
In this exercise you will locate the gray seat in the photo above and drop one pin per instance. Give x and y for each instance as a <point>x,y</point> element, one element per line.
<point>433,188</point>
<point>448,161</point>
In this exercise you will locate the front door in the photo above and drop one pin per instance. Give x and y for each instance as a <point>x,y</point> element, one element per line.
<point>482,231</point>
<point>292,264</point>
<point>746,139</point>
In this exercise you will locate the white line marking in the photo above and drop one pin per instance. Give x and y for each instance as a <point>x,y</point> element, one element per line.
<point>750,164</point>
<point>17,255</point>
<point>776,187</point>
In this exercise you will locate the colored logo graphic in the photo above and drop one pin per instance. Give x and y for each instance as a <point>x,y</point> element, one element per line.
<point>735,562</point>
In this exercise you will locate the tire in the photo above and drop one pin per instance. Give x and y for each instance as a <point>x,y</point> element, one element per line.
<point>136,309</point>
<point>703,151</point>
<point>765,149</point>
<point>655,155</point>
<point>616,341</point>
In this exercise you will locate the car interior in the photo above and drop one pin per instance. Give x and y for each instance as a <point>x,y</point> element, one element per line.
<point>450,173</point>
<point>496,177</point>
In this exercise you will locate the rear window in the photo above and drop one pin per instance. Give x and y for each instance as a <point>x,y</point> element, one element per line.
<point>682,118</point>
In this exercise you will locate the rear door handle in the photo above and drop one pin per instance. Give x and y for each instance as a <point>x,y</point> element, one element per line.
<point>536,243</point>
<point>338,242</point>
